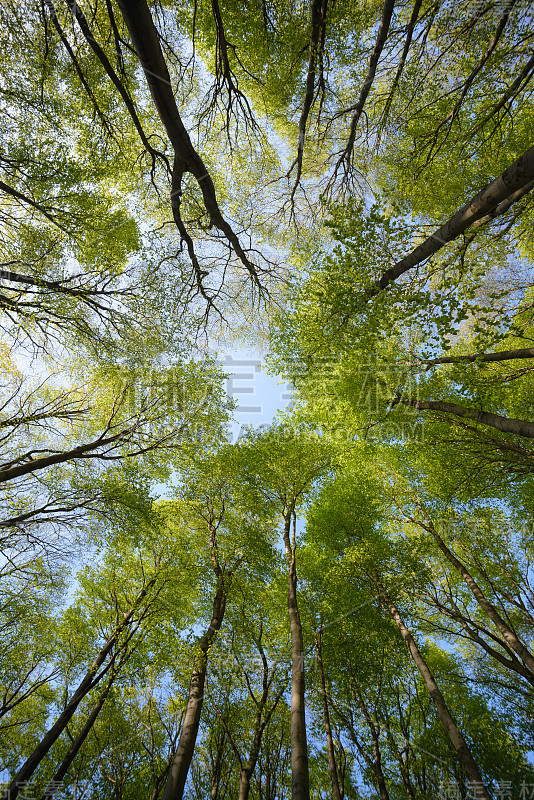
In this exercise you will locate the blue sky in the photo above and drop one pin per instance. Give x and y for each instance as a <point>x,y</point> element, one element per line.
<point>258,395</point>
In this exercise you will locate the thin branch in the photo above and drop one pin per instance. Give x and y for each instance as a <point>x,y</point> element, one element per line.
<point>346,155</point>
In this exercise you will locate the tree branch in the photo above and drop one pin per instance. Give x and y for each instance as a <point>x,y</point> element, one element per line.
<point>383,28</point>
<point>520,427</point>
<point>146,41</point>
<point>515,178</point>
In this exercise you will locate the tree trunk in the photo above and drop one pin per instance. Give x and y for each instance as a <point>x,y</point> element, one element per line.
<point>383,28</point>
<point>300,780</point>
<point>403,767</point>
<point>504,355</point>
<point>509,635</point>
<point>244,783</point>
<point>260,722</point>
<point>332,765</point>
<point>377,766</point>
<point>460,745</point>
<point>246,772</point>
<point>376,762</point>
<point>521,427</point>
<point>88,682</point>
<point>472,630</point>
<point>146,41</point>
<point>508,183</point>
<point>215,781</point>
<point>74,749</point>
<point>9,473</point>
<point>174,788</point>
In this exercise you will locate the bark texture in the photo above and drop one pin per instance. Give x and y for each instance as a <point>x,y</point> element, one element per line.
<point>513,180</point>
<point>88,682</point>
<point>34,464</point>
<point>503,355</point>
<point>521,427</point>
<point>179,769</point>
<point>300,779</point>
<point>460,745</point>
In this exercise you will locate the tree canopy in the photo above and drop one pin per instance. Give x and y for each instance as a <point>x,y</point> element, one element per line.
<point>340,604</point>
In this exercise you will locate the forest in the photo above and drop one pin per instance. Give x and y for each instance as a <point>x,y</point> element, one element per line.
<point>337,605</point>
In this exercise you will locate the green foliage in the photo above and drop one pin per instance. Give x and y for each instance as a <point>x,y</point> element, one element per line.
<point>405,461</point>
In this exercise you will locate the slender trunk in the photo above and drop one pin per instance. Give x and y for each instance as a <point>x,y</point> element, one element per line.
<point>400,68</point>
<point>74,749</point>
<point>332,765</point>
<point>300,780</point>
<point>317,28</point>
<point>403,767</point>
<point>112,75</point>
<point>406,781</point>
<point>28,200</point>
<point>377,766</point>
<point>509,635</point>
<point>216,765</point>
<point>174,788</point>
<point>88,682</point>
<point>55,286</point>
<point>246,772</point>
<point>159,779</point>
<point>460,745</point>
<point>472,630</point>
<point>383,28</point>
<point>376,762</point>
<point>215,787</point>
<point>503,207</point>
<point>260,723</point>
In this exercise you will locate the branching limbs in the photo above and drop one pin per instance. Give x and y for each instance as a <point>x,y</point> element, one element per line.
<point>62,304</point>
<point>225,80</point>
<point>316,49</point>
<point>112,75</point>
<point>345,157</point>
<point>147,44</point>
<point>451,117</point>
<point>402,62</point>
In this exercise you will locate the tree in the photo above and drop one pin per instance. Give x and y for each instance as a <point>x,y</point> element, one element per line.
<point>114,646</point>
<point>216,508</point>
<point>284,468</point>
<point>351,186</point>
<point>250,657</point>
